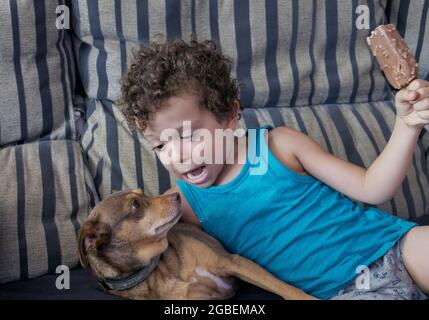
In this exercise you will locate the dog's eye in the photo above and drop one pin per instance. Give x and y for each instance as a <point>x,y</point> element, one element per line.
<point>135,204</point>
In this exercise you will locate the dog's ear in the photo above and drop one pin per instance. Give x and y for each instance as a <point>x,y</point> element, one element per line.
<point>92,236</point>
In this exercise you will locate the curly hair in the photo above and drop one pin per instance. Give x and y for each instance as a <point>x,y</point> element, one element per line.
<point>161,71</point>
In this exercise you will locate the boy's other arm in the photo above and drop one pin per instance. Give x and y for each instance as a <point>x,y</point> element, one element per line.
<point>188,214</point>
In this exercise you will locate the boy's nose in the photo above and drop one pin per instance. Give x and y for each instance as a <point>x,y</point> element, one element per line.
<point>181,153</point>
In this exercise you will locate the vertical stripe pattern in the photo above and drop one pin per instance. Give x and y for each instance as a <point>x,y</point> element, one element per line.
<point>316,30</point>
<point>43,203</point>
<point>412,20</point>
<point>45,194</point>
<point>20,191</point>
<point>36,72</point>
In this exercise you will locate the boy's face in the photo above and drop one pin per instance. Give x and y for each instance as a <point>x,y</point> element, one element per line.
<point>193,124</point>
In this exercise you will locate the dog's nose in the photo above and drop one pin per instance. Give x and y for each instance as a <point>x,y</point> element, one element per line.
<point>176,196</point>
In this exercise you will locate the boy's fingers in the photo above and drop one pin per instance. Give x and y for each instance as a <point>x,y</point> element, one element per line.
<point>406,95</point>
<point>422,104</point>
<point>423,92</point>
<point>417,84</point>
<point>424,115</point>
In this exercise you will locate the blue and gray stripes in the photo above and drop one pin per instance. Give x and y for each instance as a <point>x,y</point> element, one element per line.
<point>38,82</point>
<point>44,198</point>
<point>46,191</point>
<point>298,61</point>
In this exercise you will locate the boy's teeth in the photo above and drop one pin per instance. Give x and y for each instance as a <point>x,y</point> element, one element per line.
<point>195,172</point>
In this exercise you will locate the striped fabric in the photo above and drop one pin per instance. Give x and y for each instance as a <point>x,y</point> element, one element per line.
<point>36,73</point>
<point>412,19</point>
<point>286,53</point>
<point>46,190</point>
<point>424,140</point>
<point>117,158</point>
<point>303,63</point>
<point>45,195</point>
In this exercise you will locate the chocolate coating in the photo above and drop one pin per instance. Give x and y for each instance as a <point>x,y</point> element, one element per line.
<point>392,53</point>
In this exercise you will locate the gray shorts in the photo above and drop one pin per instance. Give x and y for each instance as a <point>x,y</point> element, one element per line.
<point>384,279</point>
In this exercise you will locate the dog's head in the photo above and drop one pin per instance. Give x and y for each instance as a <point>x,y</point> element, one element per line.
<point>125,231</point>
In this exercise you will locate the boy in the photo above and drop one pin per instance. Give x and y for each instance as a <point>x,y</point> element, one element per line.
<point>290,217</point>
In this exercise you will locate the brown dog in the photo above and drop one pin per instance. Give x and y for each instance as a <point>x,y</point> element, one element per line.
<point>137,249</point>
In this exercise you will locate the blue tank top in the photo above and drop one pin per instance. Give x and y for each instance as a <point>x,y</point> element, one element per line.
<point>296,227</point>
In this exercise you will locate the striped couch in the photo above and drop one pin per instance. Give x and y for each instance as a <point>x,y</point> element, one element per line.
<point>64,145</point>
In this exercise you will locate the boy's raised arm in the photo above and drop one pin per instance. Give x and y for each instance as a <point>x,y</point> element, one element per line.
<point>388,171</point>
<point>382,179</point>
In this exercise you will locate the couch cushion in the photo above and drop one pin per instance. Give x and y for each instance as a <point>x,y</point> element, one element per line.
<point>45,194</point>
<point>36,72</point>
<point>286,53</point>
<point>412,20</point>
<point>82,287</point>
<point>424,139</point>
<point>117,158</point>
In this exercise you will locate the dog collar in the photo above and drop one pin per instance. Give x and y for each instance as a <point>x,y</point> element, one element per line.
<point>131,280</point>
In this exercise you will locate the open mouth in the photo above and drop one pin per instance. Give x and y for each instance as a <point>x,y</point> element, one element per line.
<point>169,224</point>
<point>197,175</point>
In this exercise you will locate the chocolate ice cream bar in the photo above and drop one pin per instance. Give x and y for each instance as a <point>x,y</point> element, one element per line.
<point>392,53</point>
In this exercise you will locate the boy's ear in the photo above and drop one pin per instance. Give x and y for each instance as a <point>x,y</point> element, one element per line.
<point>237,106</point>
<point>232,123</point>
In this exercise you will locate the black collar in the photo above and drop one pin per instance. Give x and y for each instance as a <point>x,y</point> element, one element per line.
<point>130,281</point>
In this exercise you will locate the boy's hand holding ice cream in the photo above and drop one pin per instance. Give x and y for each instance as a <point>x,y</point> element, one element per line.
<point>401,70</point>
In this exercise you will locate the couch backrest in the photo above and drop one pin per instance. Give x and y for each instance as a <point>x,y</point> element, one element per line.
<point>286,53</point>
<point>37,73</point>
<point>412,20</point>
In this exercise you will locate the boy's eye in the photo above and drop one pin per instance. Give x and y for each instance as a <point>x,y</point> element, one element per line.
<point>158,147</point>
<point>188,136</point>
<point>185,136</point>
